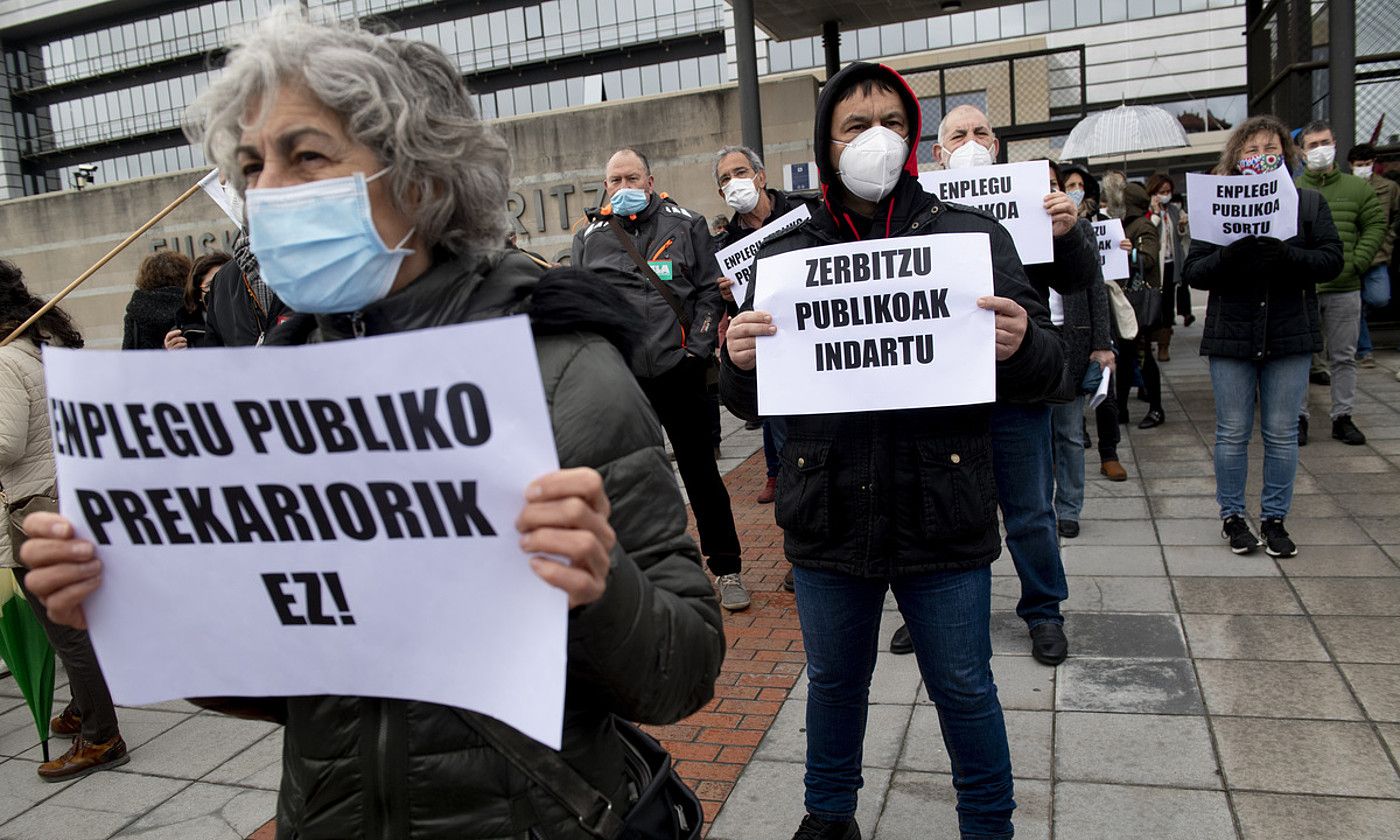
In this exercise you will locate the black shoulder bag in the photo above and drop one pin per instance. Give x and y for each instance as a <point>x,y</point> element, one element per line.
<point>665,808</point>
<point>631,248</point>
<point>1146,301</point>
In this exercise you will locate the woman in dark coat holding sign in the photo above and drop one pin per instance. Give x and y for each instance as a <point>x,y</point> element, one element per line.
<point>300,104</point>
<point>1261,330</point>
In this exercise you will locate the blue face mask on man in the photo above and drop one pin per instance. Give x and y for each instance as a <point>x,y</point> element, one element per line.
<point>317,246</point>
<point>629,200</point>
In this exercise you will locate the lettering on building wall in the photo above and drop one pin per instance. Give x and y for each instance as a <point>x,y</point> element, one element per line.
<point>553,208</point>
<point>193,245</point>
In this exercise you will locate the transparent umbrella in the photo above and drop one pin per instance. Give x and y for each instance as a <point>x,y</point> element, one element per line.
<point>1124,130</point>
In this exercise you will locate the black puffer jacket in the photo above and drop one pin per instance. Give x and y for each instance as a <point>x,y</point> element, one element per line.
<point>877,494</point>
<point>232,317</point>
<point>648,651</point>
<point>150,314</point>
<point>1259,313</point>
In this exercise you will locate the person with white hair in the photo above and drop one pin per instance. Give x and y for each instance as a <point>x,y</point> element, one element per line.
<point>376,139</point>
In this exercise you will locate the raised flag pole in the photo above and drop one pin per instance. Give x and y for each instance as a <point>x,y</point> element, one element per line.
<point>135,235</point>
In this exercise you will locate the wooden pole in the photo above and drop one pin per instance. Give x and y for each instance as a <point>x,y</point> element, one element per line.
<point>135,235</point>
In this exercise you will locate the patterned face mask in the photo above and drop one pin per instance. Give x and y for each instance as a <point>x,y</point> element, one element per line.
<point>1259,164</point>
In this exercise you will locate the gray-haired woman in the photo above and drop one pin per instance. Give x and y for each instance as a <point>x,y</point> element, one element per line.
<point>375,138</point>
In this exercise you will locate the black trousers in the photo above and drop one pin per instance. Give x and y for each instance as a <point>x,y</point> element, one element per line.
<point>682,404</point>
<point>90,697</point>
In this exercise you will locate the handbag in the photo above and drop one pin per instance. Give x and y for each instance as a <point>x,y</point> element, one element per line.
<point>665,808</point>
<point>1146,301</point>
<point>1123,315</point>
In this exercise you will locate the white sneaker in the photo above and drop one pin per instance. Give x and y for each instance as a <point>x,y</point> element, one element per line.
<point>732,594</point>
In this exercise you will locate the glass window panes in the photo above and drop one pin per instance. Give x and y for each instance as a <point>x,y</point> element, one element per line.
<point>1086,12</point>
<point>1013,21</point>
<point>964,28</point>
<point>1038,16</point>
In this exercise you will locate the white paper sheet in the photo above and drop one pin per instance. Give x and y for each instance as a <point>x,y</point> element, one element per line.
<point>1012,192</point>
<point>1224,208</point>
<point>736,261</point>
<point>1112,258</point>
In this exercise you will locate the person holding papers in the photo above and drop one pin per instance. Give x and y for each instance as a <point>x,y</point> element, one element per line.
<point>901,500</point>
<point>1144,258</point>
<point>1262,326</point>
<point>409,189</point>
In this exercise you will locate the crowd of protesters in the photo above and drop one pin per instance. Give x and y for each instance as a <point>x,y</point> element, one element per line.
<point>633,335</point>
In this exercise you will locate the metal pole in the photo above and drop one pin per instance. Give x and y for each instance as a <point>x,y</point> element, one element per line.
<point>1341,73</point>
<point>831,45</point>
<point>750,108</point>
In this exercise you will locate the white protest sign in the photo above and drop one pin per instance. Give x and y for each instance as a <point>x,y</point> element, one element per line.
<point>1224,208</point>
<point>329,519</point>
<point>736,261</point>
<point>1012,192</point>
<point>1112,258</point>
<point>876,325</point>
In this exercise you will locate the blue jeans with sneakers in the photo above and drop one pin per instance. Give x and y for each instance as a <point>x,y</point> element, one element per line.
<point>949,620</point>
<point>1023,459</point>
<point>1277,385</point>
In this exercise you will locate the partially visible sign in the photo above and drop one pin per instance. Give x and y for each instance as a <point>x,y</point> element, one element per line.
<point>1225,208</point>
<point>330,519</point>
<point>1112,258</point>
<point>1012,192</point>
<point>876,325</point>
<point>736,261</point>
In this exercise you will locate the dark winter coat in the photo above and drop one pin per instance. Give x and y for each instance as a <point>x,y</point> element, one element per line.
<point>648,651</point>
<point>150,314</point>
<point>1085,330</point>
<point>1139,229</point>
<point>1258,310</point>
<point>232,317</point>
<point>878,494</point>
<point>663,231</point>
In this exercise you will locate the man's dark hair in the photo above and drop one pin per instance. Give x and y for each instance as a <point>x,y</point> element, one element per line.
<point>866,87</point>
<point>646,164</point>
<point>1314,127</point>
<point>1361,151</point>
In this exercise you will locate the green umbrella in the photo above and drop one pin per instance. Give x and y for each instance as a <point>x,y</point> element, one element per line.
<point>26,649</point>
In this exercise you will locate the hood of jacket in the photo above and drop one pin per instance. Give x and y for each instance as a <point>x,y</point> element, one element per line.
<point>892,207</point>
<point>155,306</point>
<point>1135,201</point>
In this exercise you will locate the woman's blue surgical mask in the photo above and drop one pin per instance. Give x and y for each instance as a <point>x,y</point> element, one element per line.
<point>629,200</point>
<point>1077,196</point>
<point>317,246</point>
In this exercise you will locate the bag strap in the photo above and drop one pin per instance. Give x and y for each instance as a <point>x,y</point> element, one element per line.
<point>666,292</point>
<point>545,767</point>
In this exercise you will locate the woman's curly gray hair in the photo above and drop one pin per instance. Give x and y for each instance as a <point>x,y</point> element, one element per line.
<point>405,100</point>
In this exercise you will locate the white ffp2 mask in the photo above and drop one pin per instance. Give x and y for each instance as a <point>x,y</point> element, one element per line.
<point>870,164</point>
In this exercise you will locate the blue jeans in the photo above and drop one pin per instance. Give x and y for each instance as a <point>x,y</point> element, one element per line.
<point>774,436</point>
<point>1375,293</point>
<point>1067,425</point>
<point>1024,463</point>
<point>949,620</point>
<point>1278,385</point>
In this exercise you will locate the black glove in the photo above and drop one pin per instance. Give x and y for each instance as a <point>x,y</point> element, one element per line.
<point>1271,253</point>
<point>1242,254</point>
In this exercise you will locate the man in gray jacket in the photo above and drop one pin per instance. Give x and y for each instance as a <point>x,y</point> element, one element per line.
<point>661,257</point>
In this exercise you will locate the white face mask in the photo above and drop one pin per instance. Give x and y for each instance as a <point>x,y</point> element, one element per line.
<point>741,194</point>
<point>1362,171</point>
<point>1164,199</point>
<point>870,164</point>
<point>970,154</point>
<point>1321,157</point>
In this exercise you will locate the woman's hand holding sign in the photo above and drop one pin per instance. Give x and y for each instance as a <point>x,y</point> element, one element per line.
<point>64,570</point>
<point>742,337</point>
<point>566,515</point>
<point>1011,324</point>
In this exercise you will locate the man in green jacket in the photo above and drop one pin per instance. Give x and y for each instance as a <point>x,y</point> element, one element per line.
<point>1360,221</point>
<point>1375,283</point>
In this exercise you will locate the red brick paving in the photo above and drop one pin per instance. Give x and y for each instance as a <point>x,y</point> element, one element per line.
<point>712,746</point>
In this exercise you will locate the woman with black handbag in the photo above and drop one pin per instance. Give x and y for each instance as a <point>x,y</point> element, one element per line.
<point>1144,289</point>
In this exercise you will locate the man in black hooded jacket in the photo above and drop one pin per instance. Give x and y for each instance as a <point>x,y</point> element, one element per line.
<point>902,500</point>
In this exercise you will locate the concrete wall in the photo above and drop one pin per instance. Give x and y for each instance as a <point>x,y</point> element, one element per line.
<point>559,158</point>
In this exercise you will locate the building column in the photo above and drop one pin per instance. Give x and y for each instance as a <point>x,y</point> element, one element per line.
<point>750,109</point>
<point>831,45</point>
<point>1341,73</point>
<point>11,182</point>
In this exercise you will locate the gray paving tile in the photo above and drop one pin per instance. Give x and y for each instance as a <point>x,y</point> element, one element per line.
<point>1158,487</point>
<point>1235,595</point>
<point>1340,561</point>
<point>1022,683</point>
<point>1216,561</point>
<point>1327,531</point>
<point>1162,454</point>
<point>1390,733</point>
<point>193,748</point>
<point>1275,689</point>
<point>885,731</point>
<point>1313,505</point>
<point>126,794</point>
<point>1276,637</point>
<point>1150,469</point>
<point>1304,756</point>
<point>1101,488</point>
<point>22,789</point>
<point>205,812</point>
<point>1369,504</point>
<point>1117,560</point>
<point>138,726</point>
<point>1096,594</point>
<point>1363,639</point>
<point>1382,529</point>
<point>1269,816</point>
<point>1167,750</point>
<point>1353,465</point>
<point>1085,811</point>
<point>1162,686</point>
<point>1124,635</point>
<point>922,805</point>
<point>1009,634</point>
<point>1117,532</point>
<point>1378,686</point>
<point>1185,507</point>
<point>48,821</point>
<point>1028,734</point>
<point>1130,507</point>
<point>1350,596</point>
<point>1381,484</point>
<point>767,802</point>
<point>259,766</point>
<point>896,678</point>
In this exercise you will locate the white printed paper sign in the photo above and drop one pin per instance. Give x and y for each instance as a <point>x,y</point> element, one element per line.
<point>876,325</point>
<point>736,261</point>
<point>1012,192</point>
<point>1112,258</point>
<point>329,519</point>
<point>1225,208</point>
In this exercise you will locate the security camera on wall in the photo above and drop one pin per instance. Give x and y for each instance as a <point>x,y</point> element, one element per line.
<point>85,174</point>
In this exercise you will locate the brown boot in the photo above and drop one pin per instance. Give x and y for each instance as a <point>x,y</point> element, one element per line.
<point>83,758</point>
<point>67,723</point>
<point>1114,471</point>
<point>768,493</point>
<point>1164,341</point>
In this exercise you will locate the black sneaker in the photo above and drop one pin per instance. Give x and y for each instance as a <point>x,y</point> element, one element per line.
<point>900,642</point>
<point>1302,430</point>
<point>1068,528</point>
<point>1320,377</point>
<point>1276,540</point>
<point>816,829</point>
<point>1242,539</point>
<point>1345,431</point>
<point>1152,419</point>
